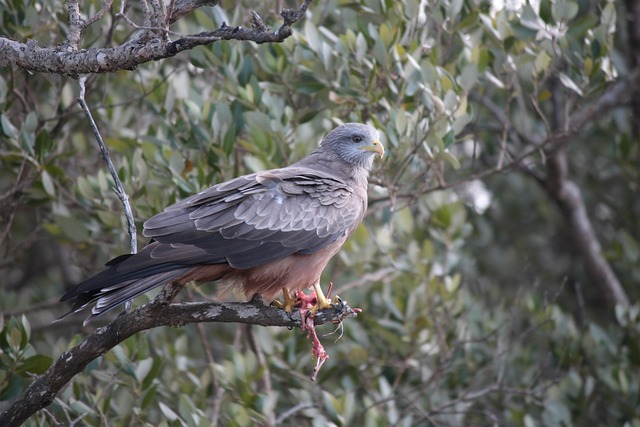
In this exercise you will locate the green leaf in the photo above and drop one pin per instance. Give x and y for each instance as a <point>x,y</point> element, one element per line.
<point>7,127</point>
<point>37,364</point>
<point>468,77</point>
<point>26,331</point>
<point>312,35</point>
<point>564,10</point>
<point>169,413</point>
<point>80,408</point>
<point>450,100</point>
<point>47,183</point>
<point>542,62</point>
<point>12,388</point>
<point>14,339</point>
<point>72,228</point>
<point>523,33</point>
<point>361,47</point>
<point>308,85</point>
<point>450,158</point>
<point>31,122</point>
<point>142,369</point>
<point>608,17</point>
<point>43,145</point>
<point>404,220</point>
<point>570,84</point>
<point>386,35</point>
<point>254,164</point>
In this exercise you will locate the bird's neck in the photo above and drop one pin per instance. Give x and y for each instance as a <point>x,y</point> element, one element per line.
<point>327,161</point>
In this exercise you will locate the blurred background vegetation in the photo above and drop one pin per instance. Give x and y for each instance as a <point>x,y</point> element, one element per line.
<point>480,307</point>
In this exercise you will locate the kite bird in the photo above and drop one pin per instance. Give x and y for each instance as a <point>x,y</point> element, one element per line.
<point>260,233</point>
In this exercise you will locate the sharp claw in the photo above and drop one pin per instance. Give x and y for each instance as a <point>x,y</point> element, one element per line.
<point>288,304</point>
<point>289,315</point>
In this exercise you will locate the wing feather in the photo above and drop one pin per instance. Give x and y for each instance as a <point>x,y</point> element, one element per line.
<point>254,219</point>
<point>247,209</point>
<point>216,221</point>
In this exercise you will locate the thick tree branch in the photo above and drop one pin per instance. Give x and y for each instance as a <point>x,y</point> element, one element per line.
<point>569,199</point>
<point>144,47</point>
<point>158,312</point>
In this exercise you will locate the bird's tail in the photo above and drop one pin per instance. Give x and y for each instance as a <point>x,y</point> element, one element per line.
<point>112,287</point>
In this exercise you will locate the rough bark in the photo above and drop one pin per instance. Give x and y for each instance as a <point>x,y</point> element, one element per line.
<point>148,44</point>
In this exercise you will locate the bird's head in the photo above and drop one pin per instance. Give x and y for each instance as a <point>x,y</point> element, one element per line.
<point>355,143</point>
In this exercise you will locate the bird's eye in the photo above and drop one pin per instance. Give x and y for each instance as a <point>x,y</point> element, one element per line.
<point>356,138</point>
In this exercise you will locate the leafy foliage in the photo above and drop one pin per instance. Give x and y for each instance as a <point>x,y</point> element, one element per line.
<point>477,310</point>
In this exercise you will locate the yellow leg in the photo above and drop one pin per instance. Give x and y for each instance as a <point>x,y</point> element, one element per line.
<point>322,301</point>
<point>288,303</point>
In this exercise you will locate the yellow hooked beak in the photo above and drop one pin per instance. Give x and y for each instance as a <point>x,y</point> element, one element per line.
<point>376,146</point>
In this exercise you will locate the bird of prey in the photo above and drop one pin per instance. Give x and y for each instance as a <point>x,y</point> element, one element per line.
<point>259,233</point>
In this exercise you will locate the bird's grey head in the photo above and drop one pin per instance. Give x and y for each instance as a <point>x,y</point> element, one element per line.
<point>354,143</point>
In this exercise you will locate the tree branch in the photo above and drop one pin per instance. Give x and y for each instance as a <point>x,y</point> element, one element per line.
<point>183,7</point>
<point>74,29</point>
<point>119,189</point>
<point>616,95</point>
<point>158,312</point>
<point>569,199</point>
<point>142,48</point>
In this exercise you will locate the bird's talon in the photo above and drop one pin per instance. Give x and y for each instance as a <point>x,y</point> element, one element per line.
<point>288,304</point>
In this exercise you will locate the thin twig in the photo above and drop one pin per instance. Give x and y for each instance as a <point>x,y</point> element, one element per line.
<point>119,189</point>
<point>90,21</point>
<point>289,412</point>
